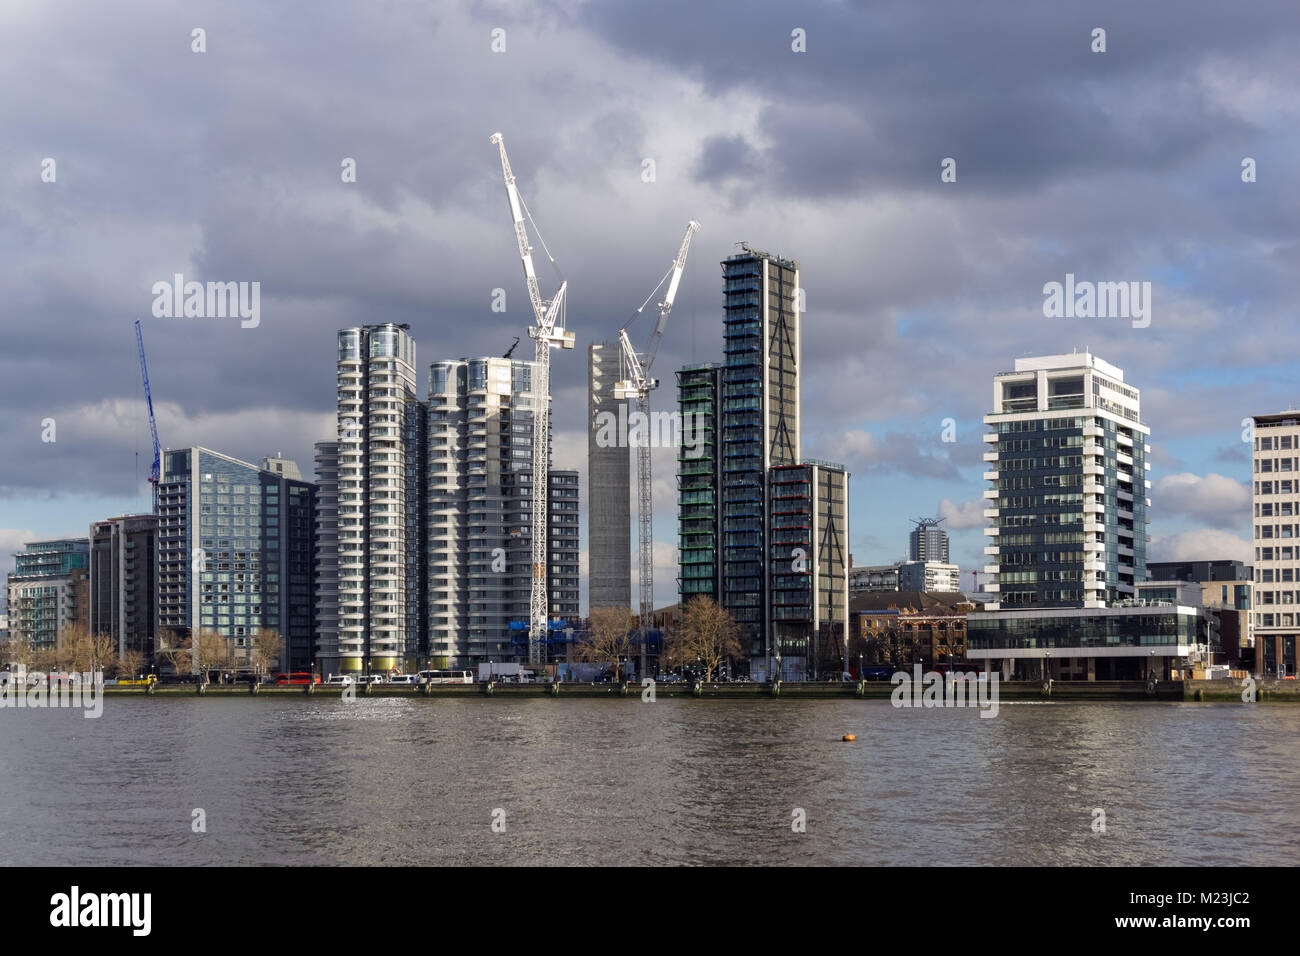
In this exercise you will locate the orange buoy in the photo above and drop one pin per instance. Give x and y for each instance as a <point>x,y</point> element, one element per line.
<point>849,737</point>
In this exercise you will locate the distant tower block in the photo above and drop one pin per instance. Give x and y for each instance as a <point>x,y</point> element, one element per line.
<point>927,542</point>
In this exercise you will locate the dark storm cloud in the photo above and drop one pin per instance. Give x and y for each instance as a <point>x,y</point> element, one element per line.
<point>1012,90</point>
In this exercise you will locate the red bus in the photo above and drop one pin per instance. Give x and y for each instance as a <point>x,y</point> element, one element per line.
<point>297,678</point>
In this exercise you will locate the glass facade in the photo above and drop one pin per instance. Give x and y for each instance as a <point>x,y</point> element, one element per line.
<point>699,483</point>
<point>255,532</point>
<point>1167,628</point>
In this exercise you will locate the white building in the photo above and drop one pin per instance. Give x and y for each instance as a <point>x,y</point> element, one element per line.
<point>380,469</point>
<point>1068,472</point>
<point>1275,466</point>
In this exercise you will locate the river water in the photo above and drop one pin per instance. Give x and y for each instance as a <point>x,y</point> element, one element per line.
<point>683,781</point>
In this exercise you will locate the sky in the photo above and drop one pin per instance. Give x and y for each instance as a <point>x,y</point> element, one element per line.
<point>817,131</point>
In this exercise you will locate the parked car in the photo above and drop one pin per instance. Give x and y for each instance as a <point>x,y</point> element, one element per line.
<point>339,680</point>
<point>408,680</point>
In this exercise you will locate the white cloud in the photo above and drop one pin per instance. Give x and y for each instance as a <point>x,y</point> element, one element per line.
<point>1214,499</point>
<point>968,514</point>
<point>1201,545</point>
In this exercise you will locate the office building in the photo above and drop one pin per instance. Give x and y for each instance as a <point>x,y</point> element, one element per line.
<point>1201,571</point>
<point>48,592</point>
<point>926,576</point>
<point>928,542</point>
<point>1275,481</point>
<point>381,511</point>
<point>1095,643</point>
<point>123,582</point>
<point>234,554</point>
<point>609,512</point>
<point>873,577</point>
<point>326,561</point>
<point>1068,470</point>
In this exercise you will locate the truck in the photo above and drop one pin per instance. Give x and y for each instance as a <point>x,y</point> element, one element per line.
<point>507,673</point>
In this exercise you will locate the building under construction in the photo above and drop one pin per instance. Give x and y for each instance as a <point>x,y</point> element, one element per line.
<point>609,488</point>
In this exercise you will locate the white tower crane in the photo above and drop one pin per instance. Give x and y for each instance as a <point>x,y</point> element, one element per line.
<point>548,333</point>
<point>637,383</point>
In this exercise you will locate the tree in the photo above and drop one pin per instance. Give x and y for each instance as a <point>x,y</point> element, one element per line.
<point>130,664</point>
<point>17,651</point>
<point>609,637</point>
<point>706,636</point>
<point>214,651</point>
<point>266,650</point>
<point>175,650</point>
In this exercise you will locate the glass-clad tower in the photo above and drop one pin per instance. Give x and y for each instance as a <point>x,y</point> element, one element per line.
<point>234,553</point>
<point>760,421</point>
<point>699,482</point>
<point>1068,473</point>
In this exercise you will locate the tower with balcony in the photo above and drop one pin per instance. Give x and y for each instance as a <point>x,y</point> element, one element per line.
<point>1068,480</point>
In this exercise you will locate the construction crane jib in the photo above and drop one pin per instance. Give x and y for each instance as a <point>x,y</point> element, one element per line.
<point>636,383</point>
<point>548,333</point>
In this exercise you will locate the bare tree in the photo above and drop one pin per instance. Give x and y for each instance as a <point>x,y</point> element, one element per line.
<point>130,664</point>
<point>176,651</point>
<point>215,652</point>
<point>706,636</point>
<point>266,650</point>
<point>608,639</point>
<point>17,651</point>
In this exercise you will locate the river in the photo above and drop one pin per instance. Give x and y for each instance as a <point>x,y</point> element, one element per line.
<point>682,781</point>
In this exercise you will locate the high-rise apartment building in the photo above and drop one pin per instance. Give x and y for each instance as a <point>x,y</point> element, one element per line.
<point>761,530</point>
<point>609,512</point>
<point>381,516</point>
<point>234,554</point>
<point>1068,468</point>
<point>326,561</point>
<point>808,566</point>
<point>1275,466</point>
<point>123,582</point>
<point>48,592</point>
<point>480,494</point>
<point>562,572</point>
<point>699,483</point>
<point>928,542</point>
<point>760,422</point>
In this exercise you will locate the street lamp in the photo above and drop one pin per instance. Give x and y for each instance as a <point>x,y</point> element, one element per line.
<point>1047,665</point>
<point>778,663</point>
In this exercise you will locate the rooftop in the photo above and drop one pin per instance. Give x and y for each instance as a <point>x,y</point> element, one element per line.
<point>1078,360</point>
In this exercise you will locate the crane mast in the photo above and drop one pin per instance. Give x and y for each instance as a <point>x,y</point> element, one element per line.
<point>637,383</point>
<point>155,470</point>
<point>548,333</point>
